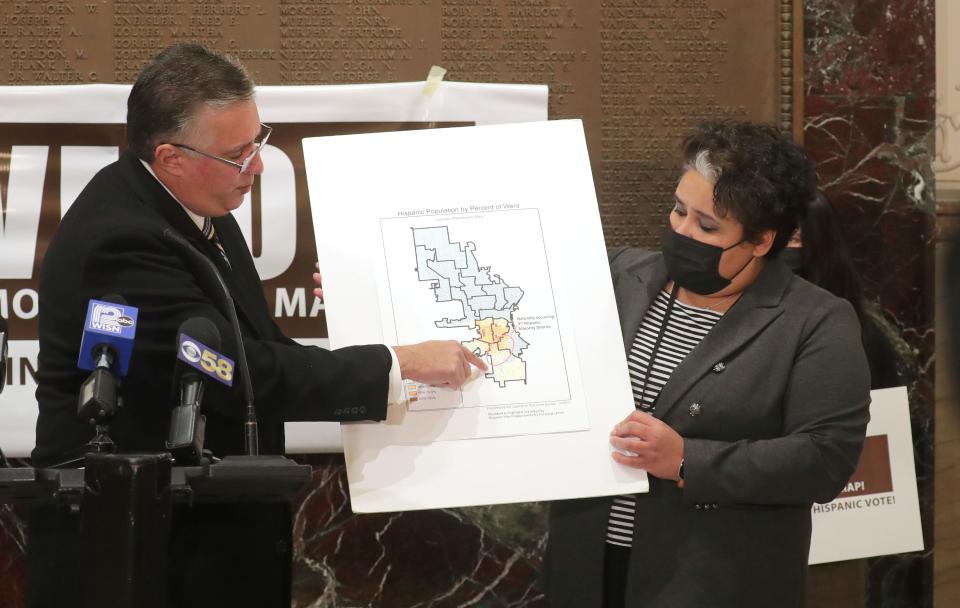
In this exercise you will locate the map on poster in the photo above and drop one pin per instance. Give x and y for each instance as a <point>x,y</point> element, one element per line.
<point>480,275</point>
<point>481,279</point>
<point>488,303</point>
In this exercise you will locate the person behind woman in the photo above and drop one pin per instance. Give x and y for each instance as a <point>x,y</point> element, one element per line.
<point>818,252</point>
<point>755,404</point>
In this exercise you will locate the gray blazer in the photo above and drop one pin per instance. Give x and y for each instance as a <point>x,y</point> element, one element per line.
<point>773,407</point>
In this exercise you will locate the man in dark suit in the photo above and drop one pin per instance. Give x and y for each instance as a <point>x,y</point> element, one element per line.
<point>194,137</point>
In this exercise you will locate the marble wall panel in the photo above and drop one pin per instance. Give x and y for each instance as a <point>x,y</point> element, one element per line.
<point>868,47</point>
<point>487,556</point>
<point>869,122</point>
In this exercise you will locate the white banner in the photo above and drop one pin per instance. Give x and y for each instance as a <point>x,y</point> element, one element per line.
<point>878,512</point>
<point>58,137</point>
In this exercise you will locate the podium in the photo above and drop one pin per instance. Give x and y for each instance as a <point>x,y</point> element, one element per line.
<point>125,503</point>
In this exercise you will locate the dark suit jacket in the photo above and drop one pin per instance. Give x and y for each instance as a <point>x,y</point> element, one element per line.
<point>110,242</point>
<point>783,391</point>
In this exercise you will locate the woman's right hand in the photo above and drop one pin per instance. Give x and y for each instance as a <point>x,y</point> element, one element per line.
<point>657,447</point>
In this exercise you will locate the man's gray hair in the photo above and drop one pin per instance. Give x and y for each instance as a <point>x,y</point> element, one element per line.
<point>173,88</point>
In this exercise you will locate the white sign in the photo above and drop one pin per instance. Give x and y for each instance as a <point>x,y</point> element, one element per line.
<point>56,142</point>
<point>878,512</point>
<point>465,234</point>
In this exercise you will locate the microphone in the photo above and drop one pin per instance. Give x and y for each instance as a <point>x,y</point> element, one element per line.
<point>3,353</point>
<point>198,340</point>
<point>250,431</point>
<point>105,348</point>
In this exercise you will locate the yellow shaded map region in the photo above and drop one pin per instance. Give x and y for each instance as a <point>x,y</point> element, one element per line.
<point>496,344</point>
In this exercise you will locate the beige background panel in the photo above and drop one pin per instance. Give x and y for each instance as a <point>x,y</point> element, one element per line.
<point>947,160</point>
<point>640,74</point>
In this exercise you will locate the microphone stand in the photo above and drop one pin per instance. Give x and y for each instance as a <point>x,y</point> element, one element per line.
<point>251,440</point>
<point>99,401</point>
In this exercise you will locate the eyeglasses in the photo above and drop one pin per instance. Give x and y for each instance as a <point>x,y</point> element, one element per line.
<point>245,164</point>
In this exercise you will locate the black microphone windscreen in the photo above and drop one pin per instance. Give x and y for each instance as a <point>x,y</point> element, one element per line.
<point>201,329</point>
<point>114,298</point>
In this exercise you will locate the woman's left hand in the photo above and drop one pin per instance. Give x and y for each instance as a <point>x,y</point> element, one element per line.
<point>658,448</point>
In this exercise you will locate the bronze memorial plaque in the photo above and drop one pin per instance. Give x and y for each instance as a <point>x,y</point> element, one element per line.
<point>640,73</point>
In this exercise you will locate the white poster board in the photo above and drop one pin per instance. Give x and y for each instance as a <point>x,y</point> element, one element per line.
<point>73,123</point>
<point>435,216</point>
<point>878,513</point>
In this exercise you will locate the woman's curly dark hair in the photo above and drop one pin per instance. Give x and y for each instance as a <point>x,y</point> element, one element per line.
<point>759,176</point>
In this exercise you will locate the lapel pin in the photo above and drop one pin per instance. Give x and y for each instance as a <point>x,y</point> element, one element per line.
<point>694,409</point>
<point>719,367</point>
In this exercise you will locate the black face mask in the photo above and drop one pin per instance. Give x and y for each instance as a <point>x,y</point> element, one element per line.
<point>793,258</point>
<point>695,265</point>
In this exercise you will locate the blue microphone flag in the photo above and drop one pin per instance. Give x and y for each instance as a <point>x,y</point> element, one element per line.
<point>108,323</point>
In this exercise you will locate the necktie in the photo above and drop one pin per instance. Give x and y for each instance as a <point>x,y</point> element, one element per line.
<point>211,235</point>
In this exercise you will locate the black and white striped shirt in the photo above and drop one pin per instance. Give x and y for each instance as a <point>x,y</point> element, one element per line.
<point>686,327</point>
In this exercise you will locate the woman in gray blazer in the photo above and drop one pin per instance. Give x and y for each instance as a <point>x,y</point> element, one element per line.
<point>754,407</point>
